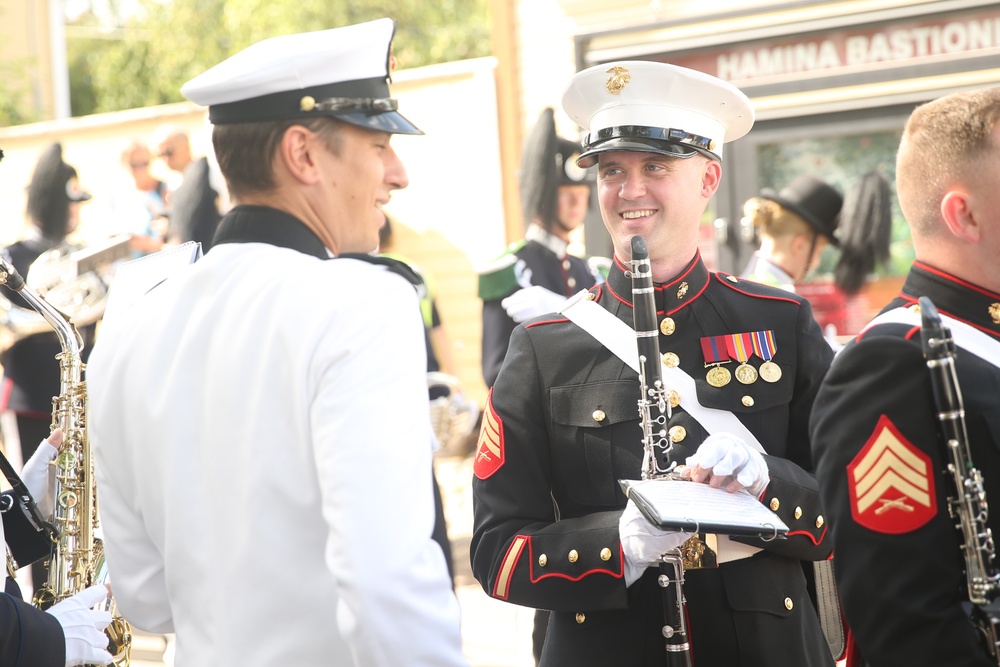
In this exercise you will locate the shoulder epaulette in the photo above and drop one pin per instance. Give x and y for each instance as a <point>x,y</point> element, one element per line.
<point>394,265</point>
<point>498,278</point>
<point>753,288</point>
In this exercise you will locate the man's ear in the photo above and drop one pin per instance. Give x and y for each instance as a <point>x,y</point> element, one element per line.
<point>959,215</point>
<point>296,152</point>
<point>710,179</point>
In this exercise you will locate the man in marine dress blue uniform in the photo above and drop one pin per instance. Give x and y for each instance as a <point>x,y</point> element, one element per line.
<point>290,343</point>
<point>881,458</point>
<point>552,528</point>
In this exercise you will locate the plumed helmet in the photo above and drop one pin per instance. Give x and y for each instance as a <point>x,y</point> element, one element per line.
<point>547,162</point>
<point>53,186</point>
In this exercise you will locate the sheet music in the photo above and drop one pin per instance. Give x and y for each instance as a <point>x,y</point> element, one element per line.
<point>137,277</point>
<point>682,505</point>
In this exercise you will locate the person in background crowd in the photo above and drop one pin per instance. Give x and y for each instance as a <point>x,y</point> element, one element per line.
<point>552,528</point>
<point>794,227</point>
<point>537,275</point>
<point>292,341</point>
<point>193,207</point>
<point>881,459</point>
<point>141,211</point>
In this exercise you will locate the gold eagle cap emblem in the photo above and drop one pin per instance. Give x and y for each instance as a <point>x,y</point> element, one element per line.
<point>995,312</point>
<point>618,80</point>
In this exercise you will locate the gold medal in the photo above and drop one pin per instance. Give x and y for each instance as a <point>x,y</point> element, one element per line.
<point>718,376</point>
<point>746,374</point>
<point>770,371</point>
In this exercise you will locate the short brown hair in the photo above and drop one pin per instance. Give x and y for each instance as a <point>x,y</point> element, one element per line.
<point>944,141</point>
<point>245,151</point>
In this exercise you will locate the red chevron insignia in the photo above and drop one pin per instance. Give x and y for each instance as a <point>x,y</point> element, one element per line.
<point>891,483</point>
<point>489,451</point>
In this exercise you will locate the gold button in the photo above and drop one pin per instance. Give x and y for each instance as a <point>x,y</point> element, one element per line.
<point>748,401</point>
<point>820,521</point>
<point>590,296</point>
<point>571,282</point>
<point>605,554</point>
<point>543,560</point>
<point>599,415</point>
<point>775,504</point>
<point>566,264</point>
<point>671,360</point>
<point>789,604</point>
<point>798,512</point>
<point>667,326</point>
<point>307,103</point>
<point>573,556</point>
<point>673,398</point>
<point>732,279</point>
<point>580,617</point>
<point>677,433</point>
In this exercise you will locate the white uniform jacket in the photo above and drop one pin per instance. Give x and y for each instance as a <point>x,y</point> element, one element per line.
<point>262,441</point>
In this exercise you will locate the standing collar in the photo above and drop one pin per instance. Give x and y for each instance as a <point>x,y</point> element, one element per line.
<point>262,224</point>
<point>545,238</point>
<point>670,296</point>
<point>953,296</point>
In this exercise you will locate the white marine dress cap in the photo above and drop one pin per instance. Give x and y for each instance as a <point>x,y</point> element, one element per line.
<point>342,72</point>
<point>653,107</point>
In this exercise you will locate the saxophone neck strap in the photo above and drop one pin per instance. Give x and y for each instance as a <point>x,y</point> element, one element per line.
<point>619,338</point>
<point>966,336</point>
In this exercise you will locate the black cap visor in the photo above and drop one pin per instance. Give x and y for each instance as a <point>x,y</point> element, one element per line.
<point>588,158</point>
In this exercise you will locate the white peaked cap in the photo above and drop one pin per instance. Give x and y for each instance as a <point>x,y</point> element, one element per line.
<point>655,108</point>
<point>342,72</point>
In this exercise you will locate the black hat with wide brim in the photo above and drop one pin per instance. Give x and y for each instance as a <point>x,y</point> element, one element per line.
<point>813,200</point>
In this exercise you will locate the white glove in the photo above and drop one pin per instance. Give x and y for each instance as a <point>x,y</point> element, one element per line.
<point>86,643</point>
<point>643,544</point>
<point>732,463</point>
<point>531,302</point>
<point>35,473</point>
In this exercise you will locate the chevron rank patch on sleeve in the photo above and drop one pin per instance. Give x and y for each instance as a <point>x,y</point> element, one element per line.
<point>891,483</point>
<point>489,451</point>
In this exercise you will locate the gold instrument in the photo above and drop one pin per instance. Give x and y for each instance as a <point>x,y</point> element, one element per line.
<point>77,561</point>
<point>72,278</point>
<point>453,416</point>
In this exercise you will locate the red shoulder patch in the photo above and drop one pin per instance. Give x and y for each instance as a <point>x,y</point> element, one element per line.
<point>489,451</point>
<point>891,482</point>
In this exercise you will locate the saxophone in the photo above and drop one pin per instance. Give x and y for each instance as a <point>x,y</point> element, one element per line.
<point>968,506</point>
<point>77,561</point>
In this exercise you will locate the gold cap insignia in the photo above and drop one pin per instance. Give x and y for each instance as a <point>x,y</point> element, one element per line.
<point>307,103</point>
<point>995,312</point>
<point>618,80</point>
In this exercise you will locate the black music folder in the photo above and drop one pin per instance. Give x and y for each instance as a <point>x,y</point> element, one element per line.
<point>692,508</point>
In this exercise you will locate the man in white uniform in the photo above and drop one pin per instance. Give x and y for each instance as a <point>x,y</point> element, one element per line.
<point>259,419</point>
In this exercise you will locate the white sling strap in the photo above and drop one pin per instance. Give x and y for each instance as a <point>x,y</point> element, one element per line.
<point>618,337</point>
<point>965,335</point>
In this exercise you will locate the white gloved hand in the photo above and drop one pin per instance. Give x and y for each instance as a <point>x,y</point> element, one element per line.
<point>726,460</point>
<point>86,643</point>
<point>643,544</point>
<point>35,473</point>
<point>531,302</point>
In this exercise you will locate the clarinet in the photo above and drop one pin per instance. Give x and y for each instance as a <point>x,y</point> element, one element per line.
<point>654,412</point>
<point>968,507</point>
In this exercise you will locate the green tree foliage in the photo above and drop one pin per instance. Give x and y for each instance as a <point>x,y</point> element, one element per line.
<point>142,59</point>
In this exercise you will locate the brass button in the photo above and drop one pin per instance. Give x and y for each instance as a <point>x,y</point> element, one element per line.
<point>599,415</point>
<point>775,504</point>
<point>580,617</point>
<point>748,401</point>
<point>820,521</point>
<point>677,433</point>
<point>605,554</point>
<point>789,604</point>
<point>543,560</point>
<point>307,103</point>
<point>798,512</point>
<point>667,326</point>
<point>573,556</point>
<point>673,398</point>
<point>571,282</point>
<point>732,279</point>
<point>566,264</point>
<point>590,296</point>
<point>671,360</point>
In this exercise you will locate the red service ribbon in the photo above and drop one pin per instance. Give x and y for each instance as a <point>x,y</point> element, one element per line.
<point>740,346</point>
<point>715,350</point>
<point>763,344</point>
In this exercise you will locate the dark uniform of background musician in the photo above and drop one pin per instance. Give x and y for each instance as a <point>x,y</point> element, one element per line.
<point>877,441</point>
<point>536,275</point>
<point>561,425</point>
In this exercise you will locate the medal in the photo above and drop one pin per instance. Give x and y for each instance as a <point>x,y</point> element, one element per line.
<point>765,347</point>
<point>740,348</point>
<point>718,376</point>
<point>746,374</point>
<point>770,371</point>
